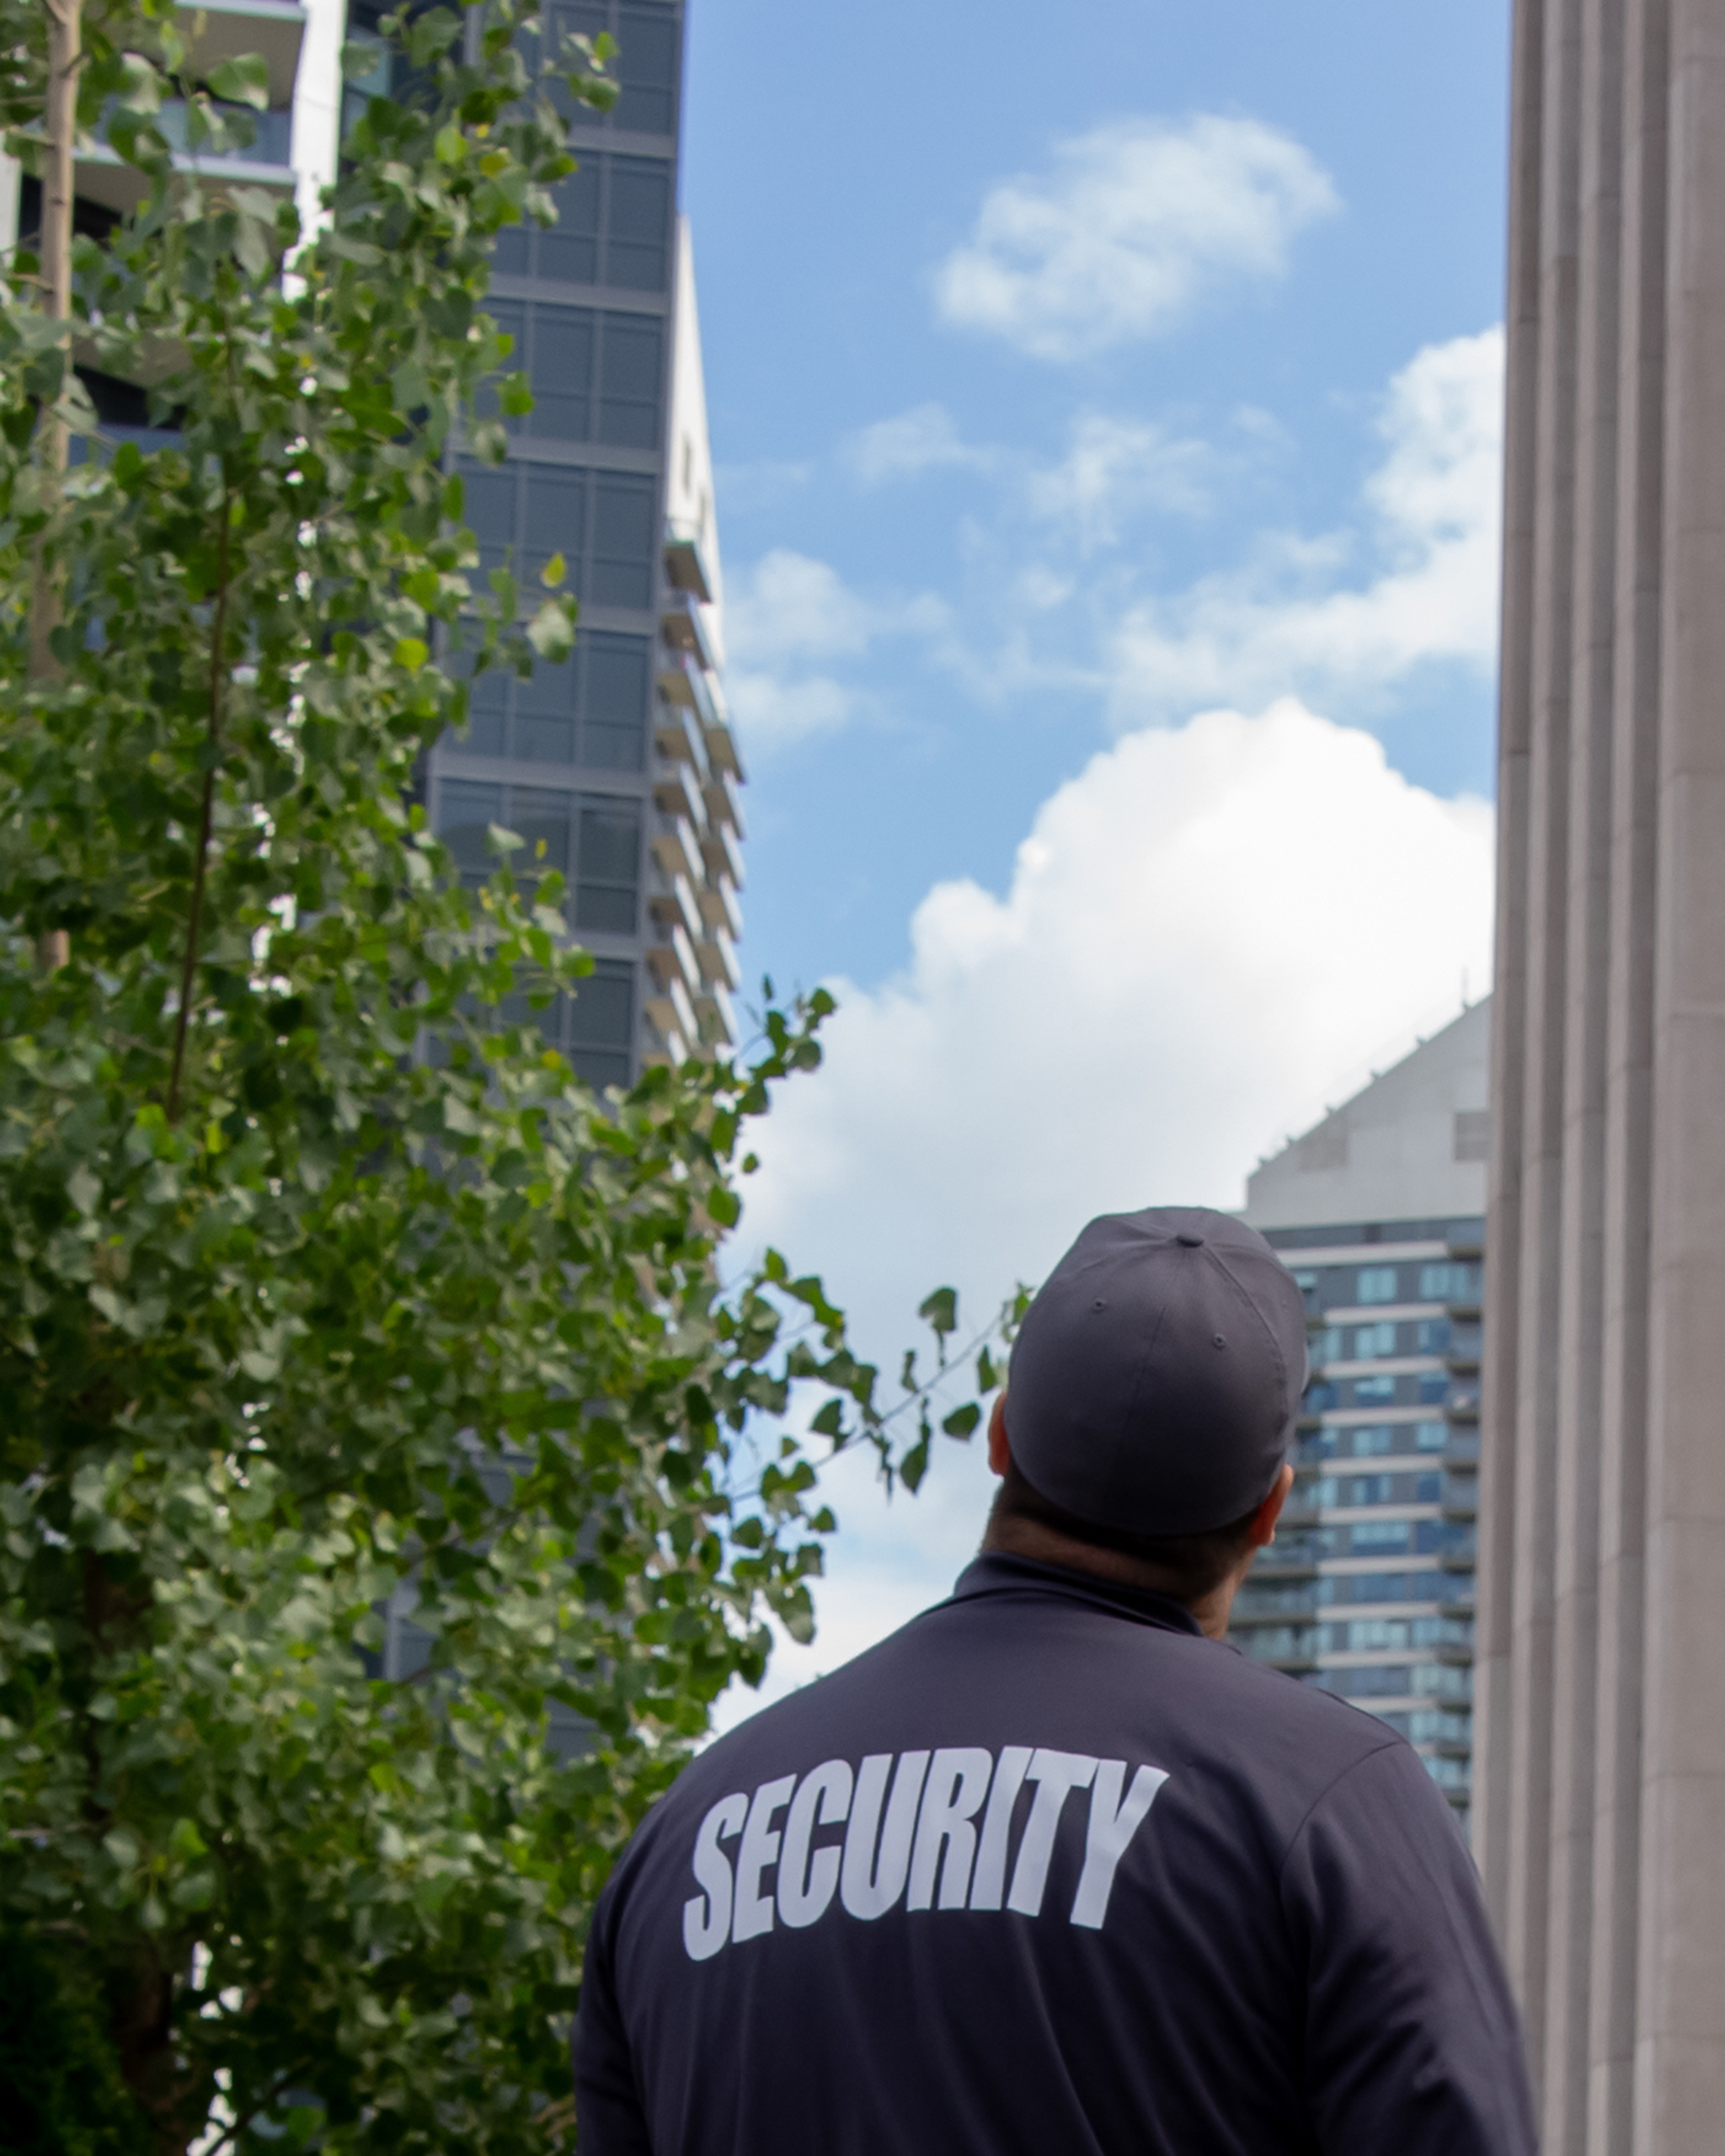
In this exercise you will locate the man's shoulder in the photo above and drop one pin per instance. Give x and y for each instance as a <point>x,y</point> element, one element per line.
<point>1156,1693</point>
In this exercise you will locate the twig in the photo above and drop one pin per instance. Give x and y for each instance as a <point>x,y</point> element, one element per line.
<point>218,639</point>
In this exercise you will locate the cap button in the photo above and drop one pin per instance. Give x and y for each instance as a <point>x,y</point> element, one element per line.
<point>1191,1242</point>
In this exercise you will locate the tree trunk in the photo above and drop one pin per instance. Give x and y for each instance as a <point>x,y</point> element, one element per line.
<point>65,50</point>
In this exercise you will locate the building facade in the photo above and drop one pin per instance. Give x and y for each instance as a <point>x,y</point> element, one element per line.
<point>620,760</point>
<point>1379,1212</point>
<point>1602,1709</point>
<point>618,766</point>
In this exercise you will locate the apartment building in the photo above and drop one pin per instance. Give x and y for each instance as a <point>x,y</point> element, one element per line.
<point>1368,1589</point>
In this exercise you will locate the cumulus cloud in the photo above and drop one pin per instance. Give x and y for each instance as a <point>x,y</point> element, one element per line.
<point>1295,618</point>
<point>915,441</point>
<point>1205,931</point>
<point>1137,221</point>
<point>787,619</point>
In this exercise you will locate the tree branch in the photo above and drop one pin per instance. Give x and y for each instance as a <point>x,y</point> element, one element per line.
<point>218,640</point>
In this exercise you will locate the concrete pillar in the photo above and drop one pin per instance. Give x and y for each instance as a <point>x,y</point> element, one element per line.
<point>1601,1802</point>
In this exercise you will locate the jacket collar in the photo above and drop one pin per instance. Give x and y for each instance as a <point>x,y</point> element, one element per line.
<point>997,1573</point>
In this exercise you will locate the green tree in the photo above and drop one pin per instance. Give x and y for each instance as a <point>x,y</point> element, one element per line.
<point>322,1280</point>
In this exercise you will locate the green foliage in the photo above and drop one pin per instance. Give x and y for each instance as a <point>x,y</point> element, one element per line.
<point>60,2080</point>
<point>324,1284</point>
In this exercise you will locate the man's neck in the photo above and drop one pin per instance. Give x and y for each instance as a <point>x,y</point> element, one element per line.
<point>1047,1545</point>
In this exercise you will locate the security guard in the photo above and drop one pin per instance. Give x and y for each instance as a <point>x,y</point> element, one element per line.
<point>1053,1869</point>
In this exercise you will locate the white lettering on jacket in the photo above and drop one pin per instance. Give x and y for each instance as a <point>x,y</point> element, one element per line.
<point>707,1920</point>
<point>911,1835</point>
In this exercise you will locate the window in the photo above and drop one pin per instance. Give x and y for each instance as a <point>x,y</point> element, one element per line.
<point>1433,1388</point>
<point>607,896</point>
<point>1376,1283</point>
<point>1385,1682</point>
<point>593,840</point>
<point>1444,1681</point>
<point>1374,1392</point>
<point>620,574</point>
<point>613,228</point>
<point>646,65</point>
<point>465,815</point>
<point>1450,1283</point>
<point>1380,1537</point>
<point>595,374</point>
<point>1373,1340</point>
<point>1430,1437</point>
<point>601,522</point>
<point>589,709</point>
<point>637,224</point>
<point>1350,1492</point>
<point>1433,1335</point>
<point>600,1022</point>
<point>630,352</point>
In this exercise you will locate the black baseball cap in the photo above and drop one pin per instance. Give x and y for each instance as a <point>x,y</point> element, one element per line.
<point>1157,1379</point>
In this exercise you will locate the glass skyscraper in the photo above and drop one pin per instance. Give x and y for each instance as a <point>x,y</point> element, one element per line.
<point>621,761</point>
<point>1367,1588</point>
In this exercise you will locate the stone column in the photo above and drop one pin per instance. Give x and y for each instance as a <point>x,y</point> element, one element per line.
<point>1599,1808</point>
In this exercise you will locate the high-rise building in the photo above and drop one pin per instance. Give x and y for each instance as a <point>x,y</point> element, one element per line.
<point>620,762</point>
<point>1379,1212</point>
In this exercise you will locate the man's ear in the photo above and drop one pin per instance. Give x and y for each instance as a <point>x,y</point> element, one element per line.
<point>1264,1520</point>
<point>1000,1453</point>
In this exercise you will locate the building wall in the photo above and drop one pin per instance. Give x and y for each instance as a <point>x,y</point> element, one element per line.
<point>1368,1590</point>
<point>1603,1558</point>
<point>621,762</point>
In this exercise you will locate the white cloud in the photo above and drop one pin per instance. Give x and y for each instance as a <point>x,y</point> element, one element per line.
<point>918,440</point>
<point>786,620</point>
<point>1205,930</point>
<point>1112,468</point>
<point>1138,220</point>
<point>1290,620</point>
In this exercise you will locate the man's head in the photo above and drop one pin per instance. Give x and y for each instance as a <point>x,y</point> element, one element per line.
<point>1151,1402</point>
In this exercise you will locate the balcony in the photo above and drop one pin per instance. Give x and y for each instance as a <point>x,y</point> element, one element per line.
<point>722,748</point>
<point>719,849</point>
<point>713,1010</point>
<point>1464,1347</point>
<point>1290,1647</point>
<point>671,1012</point>
<point>718,960</point>
<point>1261,1604</point>
<point>676,792</point>
<point>683,684</point>
<point>1461,1496</point>
<point>685,567</point>
<point>684,628</point>
<point>725,804</point>
<point>674,902</point>
<point>719,909</point>
<point>677,850</point>
<point>101,175</point>
<point>216,30</point>
<point>674,960</point>
<point>676,735</point>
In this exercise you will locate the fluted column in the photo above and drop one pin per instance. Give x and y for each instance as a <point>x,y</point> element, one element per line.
<point>1600,1811</point>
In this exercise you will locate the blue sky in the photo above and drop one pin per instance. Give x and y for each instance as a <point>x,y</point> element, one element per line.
<point>836,158</point>
<point>1107,409</point>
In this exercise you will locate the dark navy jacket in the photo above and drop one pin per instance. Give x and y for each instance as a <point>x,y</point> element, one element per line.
<point>1048,1872</point>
